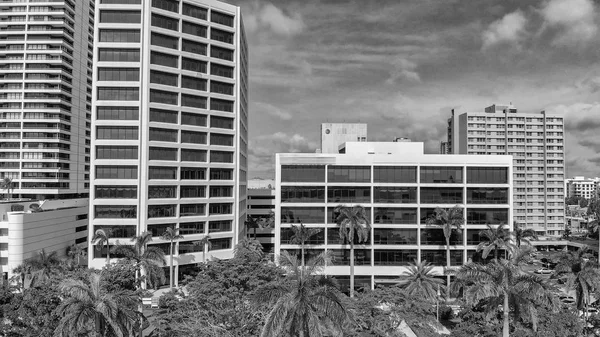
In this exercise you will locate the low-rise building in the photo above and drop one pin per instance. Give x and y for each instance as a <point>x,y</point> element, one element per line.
<point>261,203</point>
<point>579,186</point>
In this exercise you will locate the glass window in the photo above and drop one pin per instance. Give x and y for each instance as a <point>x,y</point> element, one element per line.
<point>192,209</point>
<point>165,22</point>
<point>118,55</point>
<point>163,40</point>
<point>332,215</point>
<point>220,208</point>
<point>164,97</point>
<point>473,237</point>
<point>221,18</point>
<point>116,192</point>
<point>435,236</point>
<point>220,139</point>
<point>162,173</point>
<point>389,215</point>
<point>118,74</point>
<point>117,132</point>
<point>193,155</point>
<point>160,77</point>
<point>120,35</point>
<point>193,65</point>
<point>159,229</point>
<point>221,35</point>
<point>116,152</point>
<point>302,194</point>
<point>194,12</point>
<point>194,83</point>
<point>163,135</point>
<point>194,29</point>
<point>303,214</point>
<point>221,70</point>
<point>395,195</point>
<point>221,122</point>
<point>333,238</point>
<point>189,247</point>
<point>219,226</point>
<point>188,228</point>
<point>193,47</point>
<point>116,172</point>
<point>118,94</point>
<point>118,231</point>
<point>394,236</point>
<point>161,211</point>
<point>163,59</point>
<point>482,216</point>
<point>441,195</point>
<point>115,211</point>
<point>339,194</point>
<point>387,257</point>
<point>162,192</point>
<point>221,88</point>
<point>192,192</point>
<point>441,174</point>
<point>220,244</point>
<point>221,157</point>
<point>117,113</point>
<point>164,116</point>
<point>221,105</point>
<point>348,174</point>
<point>487,175</point>
<point>302,173</point>
<point>163,153</point>
<point>438,257</point>
<point>316,239</point>
<point>221,174</point>
<point>121,2</point>
<point>221,53</point>
<point>193,173</point>
<point>188,118</point>
<point>221,191</point>
<point>110,16</point>
<point>168,5</point>
<point>192,137</point>
<point>477,195</point>
<point>193,101</point>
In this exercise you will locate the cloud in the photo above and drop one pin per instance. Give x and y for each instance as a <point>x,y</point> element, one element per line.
<point>510,29</point>
<point>272,110</point>
<point>262,150</point>
<point>403,69</point>
<point>268,17</point>
<point>575,20</point>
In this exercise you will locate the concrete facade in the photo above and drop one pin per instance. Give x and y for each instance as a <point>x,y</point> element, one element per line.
<point>587,188</point>
<point>334,135</point>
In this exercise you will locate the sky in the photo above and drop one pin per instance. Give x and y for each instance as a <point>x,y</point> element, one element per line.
<point>401,66</point>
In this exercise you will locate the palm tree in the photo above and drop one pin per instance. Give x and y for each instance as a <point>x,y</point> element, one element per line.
<point>7,184</point>
<point>146,259</point>
<point>503,282</point>
<point>88,307</point>
<point>594,211</point>
<point>301,235</point>
<point>249,250</point>
<point>250,223</point>
<point>419,281</point>
<point>102,237</point>
<point>495,238</point>
<point>76,252</point>
<point>205,244</point>
<point>304,302</point>
<point>523,235</point>
<point>581,274</point>
<point>451,221</point>
<point>43,266</point>
<point>354,224</point>
<point>171,234</point>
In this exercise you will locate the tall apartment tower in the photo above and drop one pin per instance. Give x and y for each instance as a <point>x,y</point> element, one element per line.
<point>536,142</point>
<point>334,135</point>
<point>170,124</point>
<point>46,50</point>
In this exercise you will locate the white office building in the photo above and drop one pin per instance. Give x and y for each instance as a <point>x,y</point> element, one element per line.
<point>400,187</point>
<point>334,135</point>
<point>170,124</point>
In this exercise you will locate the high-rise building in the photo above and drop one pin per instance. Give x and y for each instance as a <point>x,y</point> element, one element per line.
<point>444,148</point>
<point>170,124</point>
<point>400,187</point>
<point>334,135</point>
<point>45,103</point>
<point>579,186</point>
<point>536,142</point>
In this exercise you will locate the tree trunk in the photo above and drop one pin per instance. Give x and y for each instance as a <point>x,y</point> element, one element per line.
<point>302,258</point>
<point>171,266</point>
<point>351,269</point>
<point>506,327</point>
<point>254,232</point>
<point>204,253</point>
<point>107,253</point>
<point>448,268</point>
<point>496,253</point>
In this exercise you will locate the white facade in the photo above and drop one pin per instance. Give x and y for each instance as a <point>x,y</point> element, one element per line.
<point>400,186</point>
<point>23,234</point>
<point>582,187</point>
<point>334,135</point>
<point>45,96</point>
<point>170,124</point>
<point>536,142</point>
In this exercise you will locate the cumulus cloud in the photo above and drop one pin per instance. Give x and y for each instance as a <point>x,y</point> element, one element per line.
<point>575,20</point>
<point>272,110</point>
<point>403,69</point>
<point>509,29</point>
<point>267,16</point>
<point>262,150</point>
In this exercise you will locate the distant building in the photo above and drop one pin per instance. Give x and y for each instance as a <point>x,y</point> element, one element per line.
<point>579,186</point>
<point>536,142</point>
<point>444,148</point>
<point>333,135</point>
<point>402,140</point>
<point>261,202</point>
<point>400,187</point>
<point>26,228</point>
